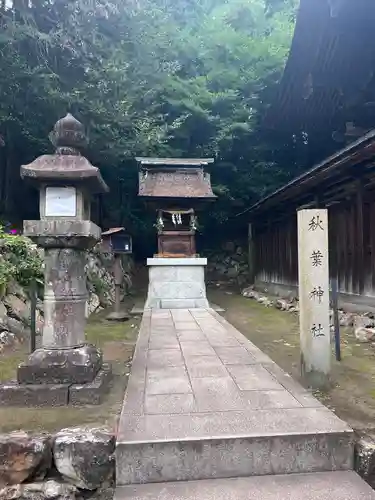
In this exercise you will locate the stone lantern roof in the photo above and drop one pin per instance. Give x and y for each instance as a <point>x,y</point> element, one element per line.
<point>66,165</point>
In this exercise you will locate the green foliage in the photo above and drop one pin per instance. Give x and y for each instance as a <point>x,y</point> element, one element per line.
<point>98,285</point>
<point>147,77</point>
<point>20,260</point>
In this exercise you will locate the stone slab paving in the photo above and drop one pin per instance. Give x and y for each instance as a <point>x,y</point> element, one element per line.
<point>139,307</point>
<point>319,486</point>
<point>203,402</point>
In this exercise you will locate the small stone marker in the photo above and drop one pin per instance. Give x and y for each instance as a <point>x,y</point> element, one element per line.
<point>313,280</point>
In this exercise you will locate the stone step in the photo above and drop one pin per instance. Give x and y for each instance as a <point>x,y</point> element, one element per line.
<point>316,486</point>
<point>157,448</point>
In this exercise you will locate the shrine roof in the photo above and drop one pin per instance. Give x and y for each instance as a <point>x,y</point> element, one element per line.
<point>185,183</point>
<point>174,178</point>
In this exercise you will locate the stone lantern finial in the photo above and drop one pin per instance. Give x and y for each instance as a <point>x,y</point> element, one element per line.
<point>68,136</point>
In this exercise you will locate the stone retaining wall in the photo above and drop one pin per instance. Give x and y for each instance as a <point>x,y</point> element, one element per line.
<point>78,463</point>
<point>229,263</point>
<point>65,466</point>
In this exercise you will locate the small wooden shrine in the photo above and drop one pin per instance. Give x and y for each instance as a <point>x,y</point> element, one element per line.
<point>176,188</point>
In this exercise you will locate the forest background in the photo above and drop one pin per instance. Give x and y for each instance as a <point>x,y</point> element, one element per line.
<point>169,78</point>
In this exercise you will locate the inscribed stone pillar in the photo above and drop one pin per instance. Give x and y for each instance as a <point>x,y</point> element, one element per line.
<point>65,297</point>
<point>313,278</point>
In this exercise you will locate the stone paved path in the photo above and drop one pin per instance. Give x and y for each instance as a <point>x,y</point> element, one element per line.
<point>203,403</point>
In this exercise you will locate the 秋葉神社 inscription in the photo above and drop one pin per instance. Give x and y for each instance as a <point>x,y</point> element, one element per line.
<point>314,296</point>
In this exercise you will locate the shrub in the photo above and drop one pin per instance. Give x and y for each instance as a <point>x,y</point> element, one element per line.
<point>20,260</point>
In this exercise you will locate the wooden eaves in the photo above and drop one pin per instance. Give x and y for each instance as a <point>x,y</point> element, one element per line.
<point>327,182</point>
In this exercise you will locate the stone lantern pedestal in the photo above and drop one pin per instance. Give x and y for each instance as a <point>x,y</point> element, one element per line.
<point>65,369</point>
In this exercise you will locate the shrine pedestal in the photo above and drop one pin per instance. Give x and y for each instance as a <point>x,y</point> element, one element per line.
<point>176,283</point>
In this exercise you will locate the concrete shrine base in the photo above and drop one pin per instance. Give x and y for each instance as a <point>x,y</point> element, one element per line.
<point>176,283</point>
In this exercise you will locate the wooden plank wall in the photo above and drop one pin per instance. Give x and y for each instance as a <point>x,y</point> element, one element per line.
<point>275,252</point>
<point>351,243</point>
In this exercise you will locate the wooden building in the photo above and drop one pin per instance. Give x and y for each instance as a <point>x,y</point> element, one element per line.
<point>328,87</point>
<point>326,101</point>
<point>344,184</point>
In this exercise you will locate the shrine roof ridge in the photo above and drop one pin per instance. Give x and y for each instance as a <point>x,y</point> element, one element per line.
<point>176,162</point>
<point>113,230</point>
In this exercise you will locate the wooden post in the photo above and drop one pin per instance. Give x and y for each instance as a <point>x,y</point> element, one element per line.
<point>360,260</point>
<point>33,297</point>
<point>251,255</point>
<point>335,307</point>
<point>118,282</point>
<point>118,314</point>
<point>313,280</point>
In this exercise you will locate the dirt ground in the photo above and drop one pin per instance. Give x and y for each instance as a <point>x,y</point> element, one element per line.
<point>117,341</point>
<point>352,394</point>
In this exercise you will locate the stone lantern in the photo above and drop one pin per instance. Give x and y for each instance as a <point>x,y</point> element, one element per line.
<point>66,180</point>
